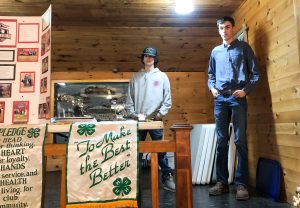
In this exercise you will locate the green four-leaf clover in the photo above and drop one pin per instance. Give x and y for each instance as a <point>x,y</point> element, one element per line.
<point>122,187</point>
<point>33,132</point>
<point>86,129</point>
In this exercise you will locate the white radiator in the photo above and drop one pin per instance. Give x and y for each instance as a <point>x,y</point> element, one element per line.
<point>203,150</point>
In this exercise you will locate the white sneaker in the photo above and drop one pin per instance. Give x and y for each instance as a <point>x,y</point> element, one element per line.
<point>169,183</point>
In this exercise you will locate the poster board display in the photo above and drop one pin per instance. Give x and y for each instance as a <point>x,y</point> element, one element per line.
<point>24,61</point>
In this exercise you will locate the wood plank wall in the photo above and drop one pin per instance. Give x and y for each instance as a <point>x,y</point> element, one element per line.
<point>188,94</point>
<point>274,107</point>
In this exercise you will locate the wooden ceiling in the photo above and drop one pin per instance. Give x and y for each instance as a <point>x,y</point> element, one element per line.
<point>102,35</point>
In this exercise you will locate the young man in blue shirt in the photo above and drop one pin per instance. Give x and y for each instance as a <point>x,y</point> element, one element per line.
<point>232,74</point>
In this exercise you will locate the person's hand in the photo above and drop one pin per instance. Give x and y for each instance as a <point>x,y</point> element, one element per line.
<point>239,94</point>
<point>158,117</point>
<point>214,92</point>
<point>134,116</point>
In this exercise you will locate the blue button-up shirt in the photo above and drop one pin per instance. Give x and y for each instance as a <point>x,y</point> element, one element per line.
<point>233,67</point>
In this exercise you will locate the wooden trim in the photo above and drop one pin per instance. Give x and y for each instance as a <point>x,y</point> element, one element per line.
<point>63,128</point>
<point>144,147</point>
<point>180,145</point>
<point>184,192</point>
<point>63,184</point>
<point>88,81</point>
<point>154,180</point>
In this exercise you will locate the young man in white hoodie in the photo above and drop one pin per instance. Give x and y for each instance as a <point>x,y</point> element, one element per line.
<point>149,95</point>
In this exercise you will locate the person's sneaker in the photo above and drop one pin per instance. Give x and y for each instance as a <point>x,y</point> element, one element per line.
<point>168,183</point>
<point>218,189</point>
<point>242,193</point>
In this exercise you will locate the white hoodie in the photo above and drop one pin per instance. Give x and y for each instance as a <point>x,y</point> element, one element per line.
<point>149,93</point>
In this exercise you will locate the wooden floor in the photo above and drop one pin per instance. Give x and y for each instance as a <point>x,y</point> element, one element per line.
<point>201,199</point>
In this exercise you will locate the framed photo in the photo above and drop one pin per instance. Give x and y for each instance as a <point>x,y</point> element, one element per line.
<point>28,32</point>
<point>48,107</point>
<point>27,54</point>
<point>7,55</point>
<point>5,90</point>
<point>46,18</point>
<point>2,111</point>
<point>43,85</point>
<point>45,65</point>
<point>242,35</point>
<point>41,111</point>
<point>46,40</point>
<point>20,112</point>
<point>8,32</point>
<point>7,71</point>
<point>27,82</point>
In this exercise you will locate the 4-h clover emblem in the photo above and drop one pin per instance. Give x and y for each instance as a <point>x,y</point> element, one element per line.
<point>122,187</point>
<point>86,129</point>
<point>33,132</point>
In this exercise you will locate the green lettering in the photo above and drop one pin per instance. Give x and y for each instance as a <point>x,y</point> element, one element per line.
<point>96,177</point>
<point>107,152</point>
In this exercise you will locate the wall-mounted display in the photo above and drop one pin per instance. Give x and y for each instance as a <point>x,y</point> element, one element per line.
<point>28,32</point>
<point>28,54</point>
<point>45,65</point>
<point>103,100</point>
<point>27,82</point>
<point>5,90</point>
<point>7,55</point>
<point>43,85</point>
<point>8,32</point>
<point>7,71</point>
<point>20,112</point>
<point>2,111</point>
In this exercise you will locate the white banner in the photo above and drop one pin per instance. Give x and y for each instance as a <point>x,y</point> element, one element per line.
<point>102,165</point>
<point>21,165</point>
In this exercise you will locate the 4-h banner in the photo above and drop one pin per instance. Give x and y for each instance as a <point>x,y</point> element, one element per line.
<point>102,165</point>
<point>21,165</point>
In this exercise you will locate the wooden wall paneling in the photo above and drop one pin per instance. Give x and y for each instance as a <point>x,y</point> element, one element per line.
<point>278,117</point>
<point>182,66</point>
<point>287,94</point>
<point>267,148</point>
<point>282,68</point>
<point>287,82</point>
<point>271,15</point>
<point>276,41</point>
<point>89,75</point>
<point>276,128</point>
<point>60,31</point>
<point>270,49</point>
<point>180,49</point>
<point>284,106</point>
<point>259,13</point>
<point>273,108</point>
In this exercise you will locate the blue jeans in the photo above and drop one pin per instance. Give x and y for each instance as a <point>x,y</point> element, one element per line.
<point>156,134</point>
<point>227,107</point>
